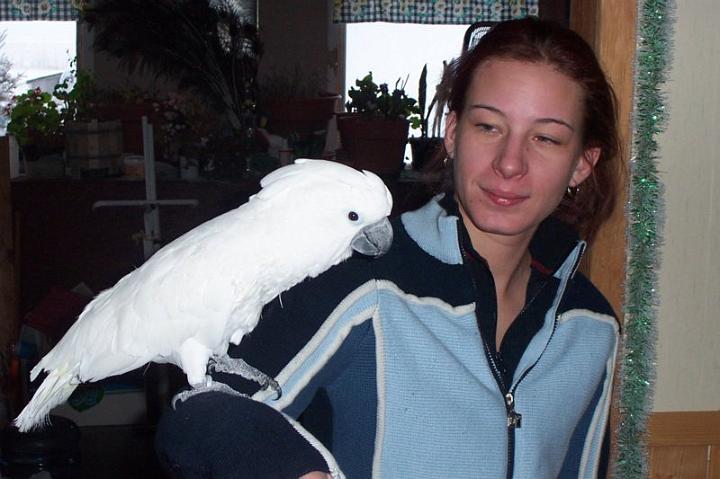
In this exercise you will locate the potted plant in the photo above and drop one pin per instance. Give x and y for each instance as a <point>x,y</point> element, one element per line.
<point>208,47</point>
<point>425,147</point>
<point>36,123</point>
<point>297,107</point>
<point>77,94</point>
<point>295,102</point>
<point>374,132</point>
<point>127,105</point>
<point>92,147</point>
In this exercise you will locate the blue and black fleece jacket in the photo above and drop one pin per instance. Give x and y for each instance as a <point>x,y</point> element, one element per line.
<point>389,369</point>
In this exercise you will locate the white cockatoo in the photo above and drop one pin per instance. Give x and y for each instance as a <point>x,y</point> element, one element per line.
<point>207,288</point>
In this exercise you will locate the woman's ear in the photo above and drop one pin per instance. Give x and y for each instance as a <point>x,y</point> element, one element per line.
<point>584,166</point>
<point>450,129</point>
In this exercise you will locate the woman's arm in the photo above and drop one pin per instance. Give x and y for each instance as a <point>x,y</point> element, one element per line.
<point>216,435</point>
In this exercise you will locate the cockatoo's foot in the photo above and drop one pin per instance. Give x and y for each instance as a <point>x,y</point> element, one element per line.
<point>226,364</point>
<point>209,385</point>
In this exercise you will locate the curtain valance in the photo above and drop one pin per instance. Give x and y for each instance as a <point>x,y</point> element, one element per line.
<point>432,11</point>
<point>28,10</point>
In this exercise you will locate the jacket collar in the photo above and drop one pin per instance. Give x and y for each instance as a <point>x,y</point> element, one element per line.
<point>550,246</point>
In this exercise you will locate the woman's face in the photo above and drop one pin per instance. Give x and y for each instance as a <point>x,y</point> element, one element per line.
<point>517,146</point>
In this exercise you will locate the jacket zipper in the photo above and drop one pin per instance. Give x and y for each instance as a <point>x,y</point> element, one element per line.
<point>514,419</point>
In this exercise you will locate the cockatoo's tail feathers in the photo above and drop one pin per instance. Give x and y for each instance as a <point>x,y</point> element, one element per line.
<point>54,390</point>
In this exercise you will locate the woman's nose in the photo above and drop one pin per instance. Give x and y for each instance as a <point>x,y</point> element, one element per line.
<point>510,160</point>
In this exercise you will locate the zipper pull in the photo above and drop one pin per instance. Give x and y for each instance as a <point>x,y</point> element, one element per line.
<point>514,419</point>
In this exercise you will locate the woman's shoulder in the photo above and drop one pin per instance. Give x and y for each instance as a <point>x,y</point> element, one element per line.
<point>434,230</point>
<point>583,294</point>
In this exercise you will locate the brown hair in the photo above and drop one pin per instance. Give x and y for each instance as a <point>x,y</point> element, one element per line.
<point>540,41</point>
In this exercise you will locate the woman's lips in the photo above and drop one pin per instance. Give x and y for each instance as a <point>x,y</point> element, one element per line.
<point>504,198</point>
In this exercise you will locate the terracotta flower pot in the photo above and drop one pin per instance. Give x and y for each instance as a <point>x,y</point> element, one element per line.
<point>300,115</point>
<point>424,150</point>
<point>374,144</point>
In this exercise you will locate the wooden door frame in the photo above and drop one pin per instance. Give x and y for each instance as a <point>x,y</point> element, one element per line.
<point>9,321</point>
<point>609,26</point>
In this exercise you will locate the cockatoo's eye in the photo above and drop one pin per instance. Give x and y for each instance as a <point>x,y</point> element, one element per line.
<point>352,216</point>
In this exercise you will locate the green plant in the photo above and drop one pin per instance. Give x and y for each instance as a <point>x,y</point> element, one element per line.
<point>34,113</point>
<point>182,121</point>
<point>371,99</point>
<point>208,47</point>
<point>39,114</point>
<point>78,101</point>
<point>438,102</point>
<point>291,83</point>
<point>421,121</point>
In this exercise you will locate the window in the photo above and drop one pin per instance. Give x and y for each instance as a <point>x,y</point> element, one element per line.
<point>399,50</point>
<point>39,52</point>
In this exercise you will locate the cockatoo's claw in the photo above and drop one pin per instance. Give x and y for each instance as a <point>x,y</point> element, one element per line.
<point>237,366</point>
<point>272,384</point>
<point>178,397</point>
<point>207,387</point>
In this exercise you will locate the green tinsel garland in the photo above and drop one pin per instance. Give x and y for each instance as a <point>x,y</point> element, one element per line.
<point>645,209</point>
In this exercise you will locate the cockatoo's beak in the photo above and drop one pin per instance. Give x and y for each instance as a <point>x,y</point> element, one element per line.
<point>374,240</point>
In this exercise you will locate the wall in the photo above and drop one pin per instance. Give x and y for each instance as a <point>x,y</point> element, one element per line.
<point>688,366</point>
<point>297,33</point>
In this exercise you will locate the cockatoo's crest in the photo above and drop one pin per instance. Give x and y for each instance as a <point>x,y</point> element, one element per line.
<point>313,174</point>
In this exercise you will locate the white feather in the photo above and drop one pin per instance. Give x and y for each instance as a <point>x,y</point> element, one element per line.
<point>208,287</point>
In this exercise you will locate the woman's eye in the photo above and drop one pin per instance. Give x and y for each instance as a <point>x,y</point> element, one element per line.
<point>486,127</point>
<point>547,140</point>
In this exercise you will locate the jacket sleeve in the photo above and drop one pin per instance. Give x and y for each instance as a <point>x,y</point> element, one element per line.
<point>216,435</point>
<point>219,435</point>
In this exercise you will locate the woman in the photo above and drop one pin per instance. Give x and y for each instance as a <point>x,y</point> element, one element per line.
<point>474,348</point>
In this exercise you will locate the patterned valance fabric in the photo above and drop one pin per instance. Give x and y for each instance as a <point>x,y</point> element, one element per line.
<point>432,11</point>
<point>29,10</point>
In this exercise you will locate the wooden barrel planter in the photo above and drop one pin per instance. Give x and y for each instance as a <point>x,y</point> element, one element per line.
<point>43,155</point>
<point>94,148</point>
